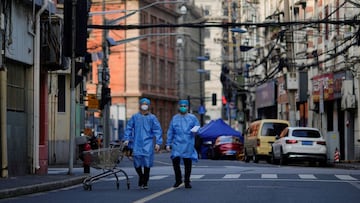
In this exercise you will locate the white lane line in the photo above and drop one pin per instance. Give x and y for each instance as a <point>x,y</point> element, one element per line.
<point>231,176</point>
<point>345,177</point>
<point>158,177</point>
<point>265,176</point>
<point>357,185</point>
<point>155,195</point>
<point>307,176</point>
<point>120,178</point>
<point>196,176</point>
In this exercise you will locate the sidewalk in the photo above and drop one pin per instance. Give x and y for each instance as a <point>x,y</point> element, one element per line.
<point>58,178</point>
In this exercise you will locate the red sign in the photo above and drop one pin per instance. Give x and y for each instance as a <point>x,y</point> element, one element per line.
<point>325,84</point>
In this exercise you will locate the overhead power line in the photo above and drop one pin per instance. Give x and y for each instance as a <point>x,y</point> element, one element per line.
<point>352,22</point>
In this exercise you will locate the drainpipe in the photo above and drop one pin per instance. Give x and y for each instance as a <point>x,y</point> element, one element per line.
<point>35,165</point>
<point>4,161</point>
<point>358,109</point>
<point>3,89</point>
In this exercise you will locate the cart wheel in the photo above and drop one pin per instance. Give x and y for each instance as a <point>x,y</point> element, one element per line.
<point>128,186</point>
<point>85,186</point>
<point>117,185</point>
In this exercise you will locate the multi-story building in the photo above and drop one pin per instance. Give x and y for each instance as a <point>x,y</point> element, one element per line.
<point>30,38</point>
<point>324,58</point>
<point>213,50</point>
<point>143,60</point>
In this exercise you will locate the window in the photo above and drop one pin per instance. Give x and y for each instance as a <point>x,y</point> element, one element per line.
<point>171,80</point>
<point>163,78</point>
<point>16,88</point>
<point>61,93</point>
<point>306,133</point>
<point>272,129</point>
<point>162,30</point>
<point>153,72</point>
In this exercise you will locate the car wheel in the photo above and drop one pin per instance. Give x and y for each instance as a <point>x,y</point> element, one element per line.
<point>283,160</point>
<point>210,153</point>
<point>273,159</point>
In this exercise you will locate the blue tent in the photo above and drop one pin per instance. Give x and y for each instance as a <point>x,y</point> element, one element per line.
<point>208,134</point>
<point>217,128</point>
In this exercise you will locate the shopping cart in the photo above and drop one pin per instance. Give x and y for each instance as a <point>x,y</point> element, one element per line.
<point>108,160</point>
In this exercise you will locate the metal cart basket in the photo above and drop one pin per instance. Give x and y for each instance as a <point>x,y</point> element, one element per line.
<point>108,160</point>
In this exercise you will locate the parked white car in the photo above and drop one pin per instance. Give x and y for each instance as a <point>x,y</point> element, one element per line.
<point>299,143</point>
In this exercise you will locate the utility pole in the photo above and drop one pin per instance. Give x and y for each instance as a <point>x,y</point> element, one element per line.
<point>291,81</point>
<point>72,89</point>
<point>105,83</point>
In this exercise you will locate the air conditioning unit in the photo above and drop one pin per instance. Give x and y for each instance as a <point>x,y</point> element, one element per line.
<point>51,45</point>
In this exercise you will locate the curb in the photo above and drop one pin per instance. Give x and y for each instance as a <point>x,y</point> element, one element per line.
<point>42,187</point>
<point>345,166</point>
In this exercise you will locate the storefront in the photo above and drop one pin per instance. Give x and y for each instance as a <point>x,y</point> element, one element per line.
<point>334,101</point>
<point>265,101</point>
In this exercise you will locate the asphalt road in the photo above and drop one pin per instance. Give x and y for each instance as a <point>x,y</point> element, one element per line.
<point>218,181</point>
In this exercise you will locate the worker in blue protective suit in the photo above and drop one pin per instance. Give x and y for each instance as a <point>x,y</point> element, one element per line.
<point>141,129</point>
<point>181,140</point>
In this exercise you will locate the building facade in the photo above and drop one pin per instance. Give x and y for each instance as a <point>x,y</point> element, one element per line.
<point>143,62</point>
<point>324,58</point>
<point>30,34</point>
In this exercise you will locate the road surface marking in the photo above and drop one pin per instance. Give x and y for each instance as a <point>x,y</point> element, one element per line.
<point>157,194</point>
<point>196,176</point>
<point>307,176</point>
<point>119,177</point>
<point>269,176</point>
<point>231,176</point>
<point>345,177</point>
<point>158,177</point>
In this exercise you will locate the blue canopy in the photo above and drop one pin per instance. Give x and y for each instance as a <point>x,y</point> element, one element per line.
<point>217,128</point>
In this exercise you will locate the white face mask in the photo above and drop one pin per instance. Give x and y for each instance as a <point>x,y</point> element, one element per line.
<point>144,107</point>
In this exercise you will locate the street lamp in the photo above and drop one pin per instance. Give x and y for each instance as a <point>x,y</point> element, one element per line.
<point>235,60</point>
<point>238,30</point>
<point>202,109</point>
<point>106,42</point>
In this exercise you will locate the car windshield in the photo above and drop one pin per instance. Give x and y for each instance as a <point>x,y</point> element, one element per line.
<point>273,129</point>
<point>306,133</point>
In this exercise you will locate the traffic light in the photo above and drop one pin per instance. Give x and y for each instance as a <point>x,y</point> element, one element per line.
<point>81,18</point>
<point>214,99</point>
<point>82,69</point>
<point>105,97</point>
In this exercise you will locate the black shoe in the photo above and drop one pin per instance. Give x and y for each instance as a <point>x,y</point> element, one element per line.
<point>140,183</point>
<point>187,185</point>
<point>177,184</point>
<point>145,187</point>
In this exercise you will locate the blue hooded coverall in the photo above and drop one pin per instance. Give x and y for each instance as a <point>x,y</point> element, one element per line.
<point>141,129</point>
<point>180,137</point>
<point>182,140</point>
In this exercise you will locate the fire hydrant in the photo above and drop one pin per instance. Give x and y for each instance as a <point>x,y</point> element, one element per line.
<point>87,158</point>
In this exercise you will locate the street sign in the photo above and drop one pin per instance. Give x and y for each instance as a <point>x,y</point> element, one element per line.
<point>93,102</point>
<point>201,110</point>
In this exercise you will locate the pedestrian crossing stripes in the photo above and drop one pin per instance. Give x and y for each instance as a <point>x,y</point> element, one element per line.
<point>231,176</point>
<point>345,177</point>
<point>307,176</point>
<point>272,176</point>
<point>340,177</point>
<point>158,177</point>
